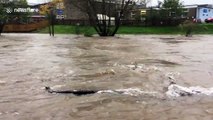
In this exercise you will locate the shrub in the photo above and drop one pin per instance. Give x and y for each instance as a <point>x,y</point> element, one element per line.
<point>88,32</point>
<point>188,27</point>
<point>77,29</point>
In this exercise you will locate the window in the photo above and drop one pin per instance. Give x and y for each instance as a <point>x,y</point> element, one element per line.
<point>205,10</point>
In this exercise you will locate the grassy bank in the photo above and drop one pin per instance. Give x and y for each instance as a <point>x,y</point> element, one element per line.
<point>68,29</point>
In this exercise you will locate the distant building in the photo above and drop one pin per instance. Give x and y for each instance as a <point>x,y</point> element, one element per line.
<point>138,12</point>
<point>201,12</point>
<point>75,9</point>
<point>72,12</point>
<point>44,8</point>
<point>36,16</point>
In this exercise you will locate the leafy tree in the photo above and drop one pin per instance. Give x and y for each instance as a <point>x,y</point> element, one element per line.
<point>168,12</point>
<point>188,27</point>
<point>21,17</point>
<point>153,17</point>
<point>8,15</point>
<point>172,8</point>
<point>105,15</point>
<point>13,16</point>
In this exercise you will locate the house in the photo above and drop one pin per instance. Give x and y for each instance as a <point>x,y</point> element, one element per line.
<point>76,9</point>
<point>200,12</point>
<point>72,12</point>
<point>138,12</point>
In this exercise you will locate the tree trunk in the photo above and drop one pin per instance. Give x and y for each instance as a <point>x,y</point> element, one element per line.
<point>1,27</point>
<point>189,33</point>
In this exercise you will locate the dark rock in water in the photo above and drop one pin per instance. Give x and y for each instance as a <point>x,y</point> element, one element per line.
<point>74,92</point>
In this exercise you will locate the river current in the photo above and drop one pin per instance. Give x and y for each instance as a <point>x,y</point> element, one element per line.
<point>131,72</point>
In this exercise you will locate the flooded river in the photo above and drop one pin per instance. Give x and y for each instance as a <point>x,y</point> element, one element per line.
<point>149,63</point>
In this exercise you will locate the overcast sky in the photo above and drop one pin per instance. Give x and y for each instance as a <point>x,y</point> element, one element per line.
<point>37,1</point>
<point>189,2</point>
<point>154,2</point>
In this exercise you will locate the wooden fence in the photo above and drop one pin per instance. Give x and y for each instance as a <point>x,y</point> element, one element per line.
<point>25,27</point>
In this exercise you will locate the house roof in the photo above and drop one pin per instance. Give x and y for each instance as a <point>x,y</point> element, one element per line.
<point>199,5</point>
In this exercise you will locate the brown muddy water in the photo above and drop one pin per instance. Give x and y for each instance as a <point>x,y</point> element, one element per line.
<point>29,62</point>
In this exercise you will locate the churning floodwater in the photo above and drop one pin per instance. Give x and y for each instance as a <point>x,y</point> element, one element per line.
<point>131,72</point>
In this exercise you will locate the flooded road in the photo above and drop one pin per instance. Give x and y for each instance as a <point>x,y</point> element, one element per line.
<point>30,62</point>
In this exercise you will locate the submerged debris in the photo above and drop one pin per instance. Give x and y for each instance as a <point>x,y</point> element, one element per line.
<point>172,76</point>
<point>74,92</point>
<point>109,71</point>
<point>174,90</point>
<point>128,91</point>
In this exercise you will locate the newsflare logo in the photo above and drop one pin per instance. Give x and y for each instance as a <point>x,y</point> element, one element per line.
<point>9,10</point>
<point>21,10</point>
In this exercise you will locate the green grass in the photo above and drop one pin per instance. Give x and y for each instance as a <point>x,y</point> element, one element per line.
<point>204,29</point>
<point>149,30</point>
<point>68,29</point>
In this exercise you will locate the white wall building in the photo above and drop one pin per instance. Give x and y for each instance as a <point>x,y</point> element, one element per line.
<point>201,12</point>
<point>204,12</point>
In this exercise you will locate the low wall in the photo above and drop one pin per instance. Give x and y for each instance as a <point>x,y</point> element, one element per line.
<point>25,27</point>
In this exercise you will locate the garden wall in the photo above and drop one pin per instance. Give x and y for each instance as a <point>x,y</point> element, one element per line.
<point>25,27</point>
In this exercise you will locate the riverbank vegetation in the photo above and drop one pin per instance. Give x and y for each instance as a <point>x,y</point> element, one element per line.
<point>68,29</point>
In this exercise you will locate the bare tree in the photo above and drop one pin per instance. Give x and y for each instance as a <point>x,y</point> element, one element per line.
<point>105,15</point>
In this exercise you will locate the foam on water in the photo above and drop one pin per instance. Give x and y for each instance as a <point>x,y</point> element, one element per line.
<point>129,91</point>
<point>143,68</point>
<point>175,90</point>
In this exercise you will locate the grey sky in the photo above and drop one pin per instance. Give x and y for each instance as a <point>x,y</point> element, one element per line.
<point>154,2</point>
<point>187,2</point>
<point>37,1</point>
